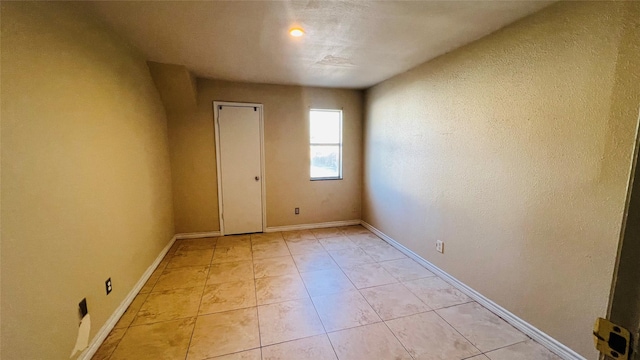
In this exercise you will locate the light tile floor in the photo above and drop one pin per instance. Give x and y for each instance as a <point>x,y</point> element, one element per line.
<point>336,293</point>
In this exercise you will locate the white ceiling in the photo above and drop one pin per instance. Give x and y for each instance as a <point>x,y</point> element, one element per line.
<point>350,44</point>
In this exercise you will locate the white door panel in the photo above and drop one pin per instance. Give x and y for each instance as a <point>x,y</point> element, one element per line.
<point>240,168</point>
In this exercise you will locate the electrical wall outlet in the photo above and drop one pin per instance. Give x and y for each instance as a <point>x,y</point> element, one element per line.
<point>440,246</point>
<point>297,210</point>
<point>108,285</point>
<point>82,308</point>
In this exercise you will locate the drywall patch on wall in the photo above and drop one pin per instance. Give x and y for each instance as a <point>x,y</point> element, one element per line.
<point>500,149</point>
<point>82,341</point>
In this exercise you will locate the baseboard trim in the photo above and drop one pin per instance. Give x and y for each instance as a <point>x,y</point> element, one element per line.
<point>536,334</point>
<point>196,235</point>
<point>113,319</point>
<point>312,226</point>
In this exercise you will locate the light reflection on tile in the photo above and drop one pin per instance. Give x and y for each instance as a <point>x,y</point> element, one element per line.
<point>326,282</point>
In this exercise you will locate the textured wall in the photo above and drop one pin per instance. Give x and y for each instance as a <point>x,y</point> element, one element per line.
<point>86,186</point>
<point>514,150</point>
<point>625,302</point>
<point>286,132</point>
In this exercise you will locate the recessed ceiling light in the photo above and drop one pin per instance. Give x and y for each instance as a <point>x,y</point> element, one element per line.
<point>296,32</point>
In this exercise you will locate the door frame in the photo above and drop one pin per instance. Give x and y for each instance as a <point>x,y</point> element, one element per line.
<point>216,105</point>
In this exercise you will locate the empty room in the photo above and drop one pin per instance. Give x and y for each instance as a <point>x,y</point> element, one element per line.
<point>319,180</point>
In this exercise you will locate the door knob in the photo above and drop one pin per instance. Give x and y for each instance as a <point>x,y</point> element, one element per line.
<point>257,178</point>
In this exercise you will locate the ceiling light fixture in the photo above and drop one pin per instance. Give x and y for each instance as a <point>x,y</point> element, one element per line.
<point>296,32</point>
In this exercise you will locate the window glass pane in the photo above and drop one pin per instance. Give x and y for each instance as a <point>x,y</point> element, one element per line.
<point>325,161</point>
<point>325,126</point>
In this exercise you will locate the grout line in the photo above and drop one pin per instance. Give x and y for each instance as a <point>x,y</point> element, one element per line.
<point>161,321</point>
<point>234,353</point>
<point>255,292</point>
<point>387,325</point>
<point>450,306</point>
<point>195,322</point>
<point>117,344</point>
<point>456,330</point>
<point>292,340</point>
<point>365,299</point>
<point>506,346</point>
<point>126,329</point>
<point>314,305</point>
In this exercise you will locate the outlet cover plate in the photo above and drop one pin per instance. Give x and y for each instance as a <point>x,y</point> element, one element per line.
<point>108,286</point>
<point>440,246</point>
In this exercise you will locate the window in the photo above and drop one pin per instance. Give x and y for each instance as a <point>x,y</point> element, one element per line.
<point>326,144</point>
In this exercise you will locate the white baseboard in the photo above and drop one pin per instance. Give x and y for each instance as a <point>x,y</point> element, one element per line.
<point>536,334</point>
<point>197,235</point>
<point>113,319</point>
<point>545,340</point>
<point>312,226</point>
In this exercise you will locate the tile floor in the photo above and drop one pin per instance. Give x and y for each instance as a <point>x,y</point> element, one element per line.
<point>337,293</point>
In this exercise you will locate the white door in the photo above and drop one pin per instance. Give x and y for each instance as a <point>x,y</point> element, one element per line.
<point>239,148</point>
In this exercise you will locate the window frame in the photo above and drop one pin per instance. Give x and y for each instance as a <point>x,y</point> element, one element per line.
<point>339,145</point>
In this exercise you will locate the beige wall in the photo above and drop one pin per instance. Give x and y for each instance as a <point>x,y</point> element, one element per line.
<point>86,186</point>
<point>514,150</point>
<point>286,132</point>
<point>624,304</point>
